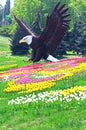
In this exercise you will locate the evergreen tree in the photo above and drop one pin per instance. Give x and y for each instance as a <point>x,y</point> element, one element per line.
<point>36,25</point>
<point>78,40</point>
<point>7,8</point>
<point>83,45</point>
<point>61,50</point>
<point>1,13</point>
<point>65,45</point>
<point>16,47</point>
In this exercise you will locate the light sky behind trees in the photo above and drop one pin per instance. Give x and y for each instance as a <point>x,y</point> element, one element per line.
<point>2,2</point>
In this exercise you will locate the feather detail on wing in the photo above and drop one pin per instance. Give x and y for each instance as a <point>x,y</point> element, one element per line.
<point>23,26</point>
<point>55,28</point>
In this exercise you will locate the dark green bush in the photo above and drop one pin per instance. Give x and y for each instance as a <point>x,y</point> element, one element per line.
<point>16,47</point>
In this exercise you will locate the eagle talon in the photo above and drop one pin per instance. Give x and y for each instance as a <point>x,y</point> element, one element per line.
<point>30,60</point>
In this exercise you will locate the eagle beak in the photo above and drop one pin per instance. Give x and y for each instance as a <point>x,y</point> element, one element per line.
<point>21,41</point>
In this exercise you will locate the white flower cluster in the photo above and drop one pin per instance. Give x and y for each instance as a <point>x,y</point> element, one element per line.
<point>48,97</point>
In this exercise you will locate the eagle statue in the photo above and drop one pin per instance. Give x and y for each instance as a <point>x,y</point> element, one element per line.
<point>44,45</point>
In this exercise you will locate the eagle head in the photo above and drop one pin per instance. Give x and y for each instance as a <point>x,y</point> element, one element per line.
<point>27,39</point>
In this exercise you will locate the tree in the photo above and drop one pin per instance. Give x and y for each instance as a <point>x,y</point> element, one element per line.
<point>36,26</point>
<point>7,8</point>
<point>83,45</point>
<point>16,48</point>
<point>80,41</point>
<point>27,9</point>
<point>1,13</point>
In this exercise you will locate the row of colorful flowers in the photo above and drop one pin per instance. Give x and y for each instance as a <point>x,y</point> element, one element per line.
<point>76,92</point>
<point>28,88</point>
<point>7,66</point>
<point>38,76</point>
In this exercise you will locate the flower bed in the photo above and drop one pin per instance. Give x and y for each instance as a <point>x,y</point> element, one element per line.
<point>76,92</point>
<point>37,77</point>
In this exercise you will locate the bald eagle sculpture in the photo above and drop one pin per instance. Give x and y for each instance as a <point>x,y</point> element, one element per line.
<point>44,46</point>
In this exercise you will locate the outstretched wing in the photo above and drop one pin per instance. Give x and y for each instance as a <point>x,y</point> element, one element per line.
<point>55,28</point>
<point>23,26</point>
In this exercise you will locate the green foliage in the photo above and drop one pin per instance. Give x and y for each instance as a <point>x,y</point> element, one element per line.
<point>76,10</point>
<point>4,31</point>
<point>5,54</point>
<point>28,8</point>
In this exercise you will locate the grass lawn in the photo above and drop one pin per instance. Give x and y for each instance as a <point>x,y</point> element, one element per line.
<point>36,96</point>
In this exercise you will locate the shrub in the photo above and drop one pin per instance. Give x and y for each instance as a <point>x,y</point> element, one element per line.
<point>16,48</point>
